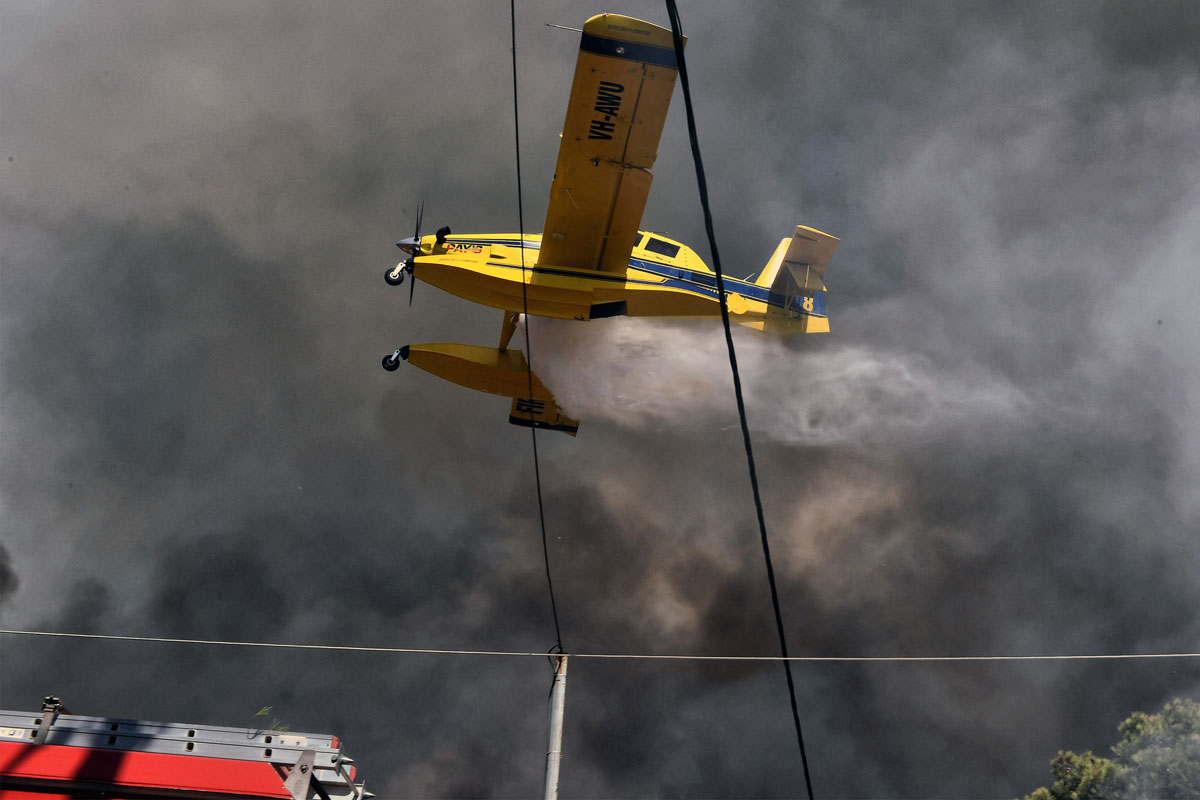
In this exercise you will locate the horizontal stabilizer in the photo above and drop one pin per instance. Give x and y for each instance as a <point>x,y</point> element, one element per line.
<point>495,371</point>
<point>811,248</point>
<point>806,254</point>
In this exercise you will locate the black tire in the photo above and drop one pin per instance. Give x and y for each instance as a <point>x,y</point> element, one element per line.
<point>391,362</point>
<point>387,276</point>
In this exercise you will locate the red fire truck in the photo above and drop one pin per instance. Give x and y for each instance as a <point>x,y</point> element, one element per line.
<point>55,755</point>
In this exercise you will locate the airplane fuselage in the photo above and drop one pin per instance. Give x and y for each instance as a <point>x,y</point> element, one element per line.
<point>664,279</point>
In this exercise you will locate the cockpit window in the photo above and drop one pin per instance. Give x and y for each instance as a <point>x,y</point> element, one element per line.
<point>662,248</point>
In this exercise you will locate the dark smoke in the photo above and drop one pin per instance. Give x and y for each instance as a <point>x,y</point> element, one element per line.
<point>994,451</point>
<point>8,576</point>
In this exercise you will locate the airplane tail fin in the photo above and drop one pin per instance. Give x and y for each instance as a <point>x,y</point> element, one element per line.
<point>795,273</point>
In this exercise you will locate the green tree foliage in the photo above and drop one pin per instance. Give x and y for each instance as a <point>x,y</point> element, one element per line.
<point>1162,752</point>
<point>276,725</point>
<point>1081,777</point>
<point>1158,758</point>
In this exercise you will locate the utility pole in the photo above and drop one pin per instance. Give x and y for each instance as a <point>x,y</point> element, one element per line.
<point>558,696</point>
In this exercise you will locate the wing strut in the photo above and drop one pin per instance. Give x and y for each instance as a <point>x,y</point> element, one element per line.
<point>508,328</point>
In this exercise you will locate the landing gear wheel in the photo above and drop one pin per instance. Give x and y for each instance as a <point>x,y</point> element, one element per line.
<point>391,362</point>
<point>394,277</point>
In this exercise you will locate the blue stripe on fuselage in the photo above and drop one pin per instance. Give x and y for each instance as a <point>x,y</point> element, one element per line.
<point>694,281</point>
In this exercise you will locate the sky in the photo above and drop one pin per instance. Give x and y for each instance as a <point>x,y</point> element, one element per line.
<point>995,451</point>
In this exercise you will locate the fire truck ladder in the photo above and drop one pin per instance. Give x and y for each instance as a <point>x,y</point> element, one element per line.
<point>63,755</point>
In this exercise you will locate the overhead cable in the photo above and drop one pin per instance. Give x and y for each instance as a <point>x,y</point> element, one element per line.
<point>620,656</point>
<point>537,473</point>
<point>677,35</point>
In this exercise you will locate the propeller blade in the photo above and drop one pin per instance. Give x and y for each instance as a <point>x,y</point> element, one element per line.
<point>420,213</point>
<point>412,280</point>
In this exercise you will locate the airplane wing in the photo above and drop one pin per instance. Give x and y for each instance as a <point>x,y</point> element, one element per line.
<point>623,84</point>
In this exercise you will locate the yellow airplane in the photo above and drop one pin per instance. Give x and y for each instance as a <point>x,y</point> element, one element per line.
<point>592,261</point>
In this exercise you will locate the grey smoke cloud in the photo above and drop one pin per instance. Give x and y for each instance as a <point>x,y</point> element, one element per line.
<point>646,373</point>
<point>994,451</point>
<point>8,578</point>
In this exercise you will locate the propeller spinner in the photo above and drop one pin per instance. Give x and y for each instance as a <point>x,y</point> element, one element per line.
<point>395,275</point>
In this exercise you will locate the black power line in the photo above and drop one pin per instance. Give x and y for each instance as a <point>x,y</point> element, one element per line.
<point>537,475</point>
<point>673,13</point>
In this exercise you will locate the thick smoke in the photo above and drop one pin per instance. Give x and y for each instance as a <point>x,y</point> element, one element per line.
<point>993,452</point>
<point>8,578</point>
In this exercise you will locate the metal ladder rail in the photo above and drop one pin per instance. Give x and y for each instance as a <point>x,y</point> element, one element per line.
<point>281,749</point>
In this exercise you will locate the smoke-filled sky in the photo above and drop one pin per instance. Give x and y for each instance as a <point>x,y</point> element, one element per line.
<point>996,451</point>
